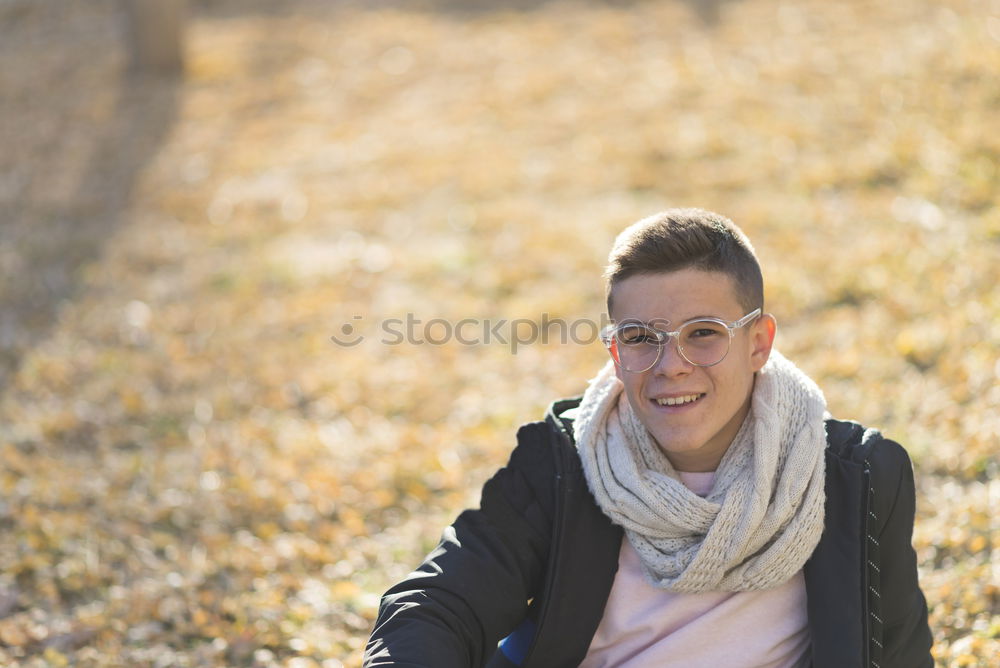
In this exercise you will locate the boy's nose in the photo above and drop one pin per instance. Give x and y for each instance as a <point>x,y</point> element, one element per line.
<point>671,360</point>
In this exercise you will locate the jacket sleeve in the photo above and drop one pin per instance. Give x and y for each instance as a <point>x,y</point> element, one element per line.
<point>473,588</point>
<point>906,636</point>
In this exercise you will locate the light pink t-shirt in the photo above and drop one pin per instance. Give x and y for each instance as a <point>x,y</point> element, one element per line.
<point>644,626</point>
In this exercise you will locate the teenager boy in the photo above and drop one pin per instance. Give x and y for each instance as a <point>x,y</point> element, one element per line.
<point>696,507</point>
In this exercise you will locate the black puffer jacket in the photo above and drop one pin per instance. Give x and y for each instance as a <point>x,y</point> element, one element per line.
<point>535,564</point>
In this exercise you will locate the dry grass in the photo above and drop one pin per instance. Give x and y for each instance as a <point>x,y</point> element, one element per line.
<point>192,474</point>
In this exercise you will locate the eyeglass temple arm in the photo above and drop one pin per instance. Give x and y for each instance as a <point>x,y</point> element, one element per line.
<point>747,318</point>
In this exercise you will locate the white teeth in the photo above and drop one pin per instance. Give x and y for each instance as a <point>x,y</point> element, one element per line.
<point>677,401</point>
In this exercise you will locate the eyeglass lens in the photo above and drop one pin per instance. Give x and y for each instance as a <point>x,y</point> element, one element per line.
<point>702,342</point>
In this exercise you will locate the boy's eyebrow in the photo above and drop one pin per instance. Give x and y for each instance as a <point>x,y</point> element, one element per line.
<point>668,322</point>
<point>678,320</point>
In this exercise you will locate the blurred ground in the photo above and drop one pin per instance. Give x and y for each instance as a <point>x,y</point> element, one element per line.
<point>193,474</point>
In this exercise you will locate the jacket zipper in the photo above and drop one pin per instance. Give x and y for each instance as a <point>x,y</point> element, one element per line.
<point>865,604</point>
<point>557,520</point>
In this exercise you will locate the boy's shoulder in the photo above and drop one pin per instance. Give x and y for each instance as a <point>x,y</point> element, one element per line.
<point>884,461</point>
<point>850,440</point>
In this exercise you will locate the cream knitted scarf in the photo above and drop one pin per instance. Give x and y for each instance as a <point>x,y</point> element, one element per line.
<point>764,514</point>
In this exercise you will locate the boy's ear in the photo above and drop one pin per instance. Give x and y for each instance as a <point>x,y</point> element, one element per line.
<point>619,373</point>
<point>762,340</point>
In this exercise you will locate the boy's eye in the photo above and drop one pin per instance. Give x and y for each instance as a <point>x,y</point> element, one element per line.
<point>636,336</point>
<point>702,330</point>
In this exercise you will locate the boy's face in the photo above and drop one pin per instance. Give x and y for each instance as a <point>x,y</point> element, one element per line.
<point>695,435</point>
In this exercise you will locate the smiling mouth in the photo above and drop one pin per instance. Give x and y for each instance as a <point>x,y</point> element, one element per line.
<point>679,401</point>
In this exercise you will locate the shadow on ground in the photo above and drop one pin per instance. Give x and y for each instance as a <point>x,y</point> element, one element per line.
<point>78,129</point>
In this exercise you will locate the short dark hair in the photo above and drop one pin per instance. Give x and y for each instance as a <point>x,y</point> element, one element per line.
<point>684,239</point>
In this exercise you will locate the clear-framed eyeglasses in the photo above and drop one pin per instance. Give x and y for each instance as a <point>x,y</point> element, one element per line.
<point>637,346</point>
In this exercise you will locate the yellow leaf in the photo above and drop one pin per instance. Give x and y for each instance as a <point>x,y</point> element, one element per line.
<point>55,658</point>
